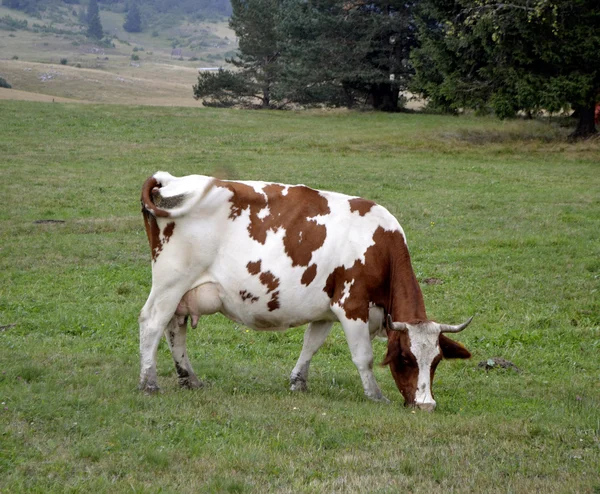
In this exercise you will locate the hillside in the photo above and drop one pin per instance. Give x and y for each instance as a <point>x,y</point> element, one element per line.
<point>50,56</point>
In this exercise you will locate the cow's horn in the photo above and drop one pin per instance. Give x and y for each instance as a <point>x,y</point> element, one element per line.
<point>448,328</point>
<point>395,326</point>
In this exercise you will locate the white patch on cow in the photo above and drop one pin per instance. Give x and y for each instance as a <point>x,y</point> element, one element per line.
<point>285,190</point>
<point>346,292</point>
<point>424,346</point>
<point>263,213</point>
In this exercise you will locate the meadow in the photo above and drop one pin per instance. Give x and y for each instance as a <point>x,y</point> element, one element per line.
<point>51,59</point>
<point>502,220</point>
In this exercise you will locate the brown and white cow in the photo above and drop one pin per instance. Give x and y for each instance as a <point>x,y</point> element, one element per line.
<point>272,257</point>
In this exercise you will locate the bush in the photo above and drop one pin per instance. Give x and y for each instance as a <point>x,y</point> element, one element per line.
<point>64,61</point>
<point>15,57</point>
<point>135,57</point>
<point>4,83</point>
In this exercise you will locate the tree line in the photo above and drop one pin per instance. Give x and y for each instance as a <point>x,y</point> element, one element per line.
<point>525,56</point>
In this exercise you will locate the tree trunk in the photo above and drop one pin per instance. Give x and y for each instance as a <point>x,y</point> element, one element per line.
<point>586,126</point>
<point>349,96</point>
<point>384,97</point>
<point>266,99</point>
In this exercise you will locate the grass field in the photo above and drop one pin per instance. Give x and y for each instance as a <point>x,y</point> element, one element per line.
<point>505,215</point>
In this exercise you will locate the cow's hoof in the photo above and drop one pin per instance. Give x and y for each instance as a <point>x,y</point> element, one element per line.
<point>191,383</point>
<point>378,398</point>
<point>149,388</point>
<point>298,384</point>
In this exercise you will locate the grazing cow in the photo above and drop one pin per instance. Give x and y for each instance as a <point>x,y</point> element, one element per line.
<point>272,257</point>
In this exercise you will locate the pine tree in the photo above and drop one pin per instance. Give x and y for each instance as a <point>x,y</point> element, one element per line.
<point>93,19</point>
<point>254,24</point>
<point>257,60</point>
<point>133,21</point>
<point>341,51</point>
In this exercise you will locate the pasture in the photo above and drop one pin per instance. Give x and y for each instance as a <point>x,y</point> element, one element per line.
<point>502,219</point>
<point>30,59</point>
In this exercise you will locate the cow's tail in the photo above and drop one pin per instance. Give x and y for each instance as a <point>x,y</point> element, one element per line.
<point>154,203</point>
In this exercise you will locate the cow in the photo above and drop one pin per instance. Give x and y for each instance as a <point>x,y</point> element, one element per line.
<point>271,257</point>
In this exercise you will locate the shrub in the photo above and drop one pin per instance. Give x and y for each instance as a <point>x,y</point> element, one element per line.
<point>135,57</point>
<point>63,61</point>
<point>15,57</point>
<point>4,83</point>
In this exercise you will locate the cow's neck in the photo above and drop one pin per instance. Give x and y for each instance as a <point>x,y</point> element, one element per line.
<point>406,298</point>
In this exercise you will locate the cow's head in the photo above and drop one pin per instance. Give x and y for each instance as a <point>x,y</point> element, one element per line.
<point>414,351</point>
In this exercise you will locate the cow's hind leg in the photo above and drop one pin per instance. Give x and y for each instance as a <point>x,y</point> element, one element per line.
<point>359,341</point>
<point>176,335</point>
<point>155,315</point>
<point>315,335</point>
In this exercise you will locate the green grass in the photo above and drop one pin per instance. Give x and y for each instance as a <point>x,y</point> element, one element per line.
<point>506,215</point>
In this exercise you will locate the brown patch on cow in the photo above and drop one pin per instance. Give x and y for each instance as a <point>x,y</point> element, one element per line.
<point>294,212</point>
<point>269,280</point>
<point>150,211</point>
<point>245,295</point>
<point>386,279</point>
<point>253,267</point>
<point>153,233</point>
<point>360,205</point>
<point>168,231</point>
<point>309,275</point>
<point>403,365</point>
<point>274,302</point>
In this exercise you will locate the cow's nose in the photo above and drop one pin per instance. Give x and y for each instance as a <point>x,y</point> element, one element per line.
<point>427,407</point>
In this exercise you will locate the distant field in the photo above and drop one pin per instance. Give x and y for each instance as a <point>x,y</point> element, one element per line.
<point>31,61</point>
<point>503,215</point>
<point>157,84</point>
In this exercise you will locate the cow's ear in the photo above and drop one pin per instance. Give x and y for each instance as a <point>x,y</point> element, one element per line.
<point>453,349</point>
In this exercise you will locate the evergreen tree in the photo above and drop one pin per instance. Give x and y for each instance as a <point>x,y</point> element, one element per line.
<point>527,55</point>
<point>342,51</point>
<point>257,61</point>
<point>133,21</point>
<point>93,20</point>
<point>254,24</point>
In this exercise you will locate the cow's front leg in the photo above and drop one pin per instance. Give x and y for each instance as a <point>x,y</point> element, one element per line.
<point>359,341</point>
<point>155,315</point>
<point>315,335</point>
<point>176,335</point>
